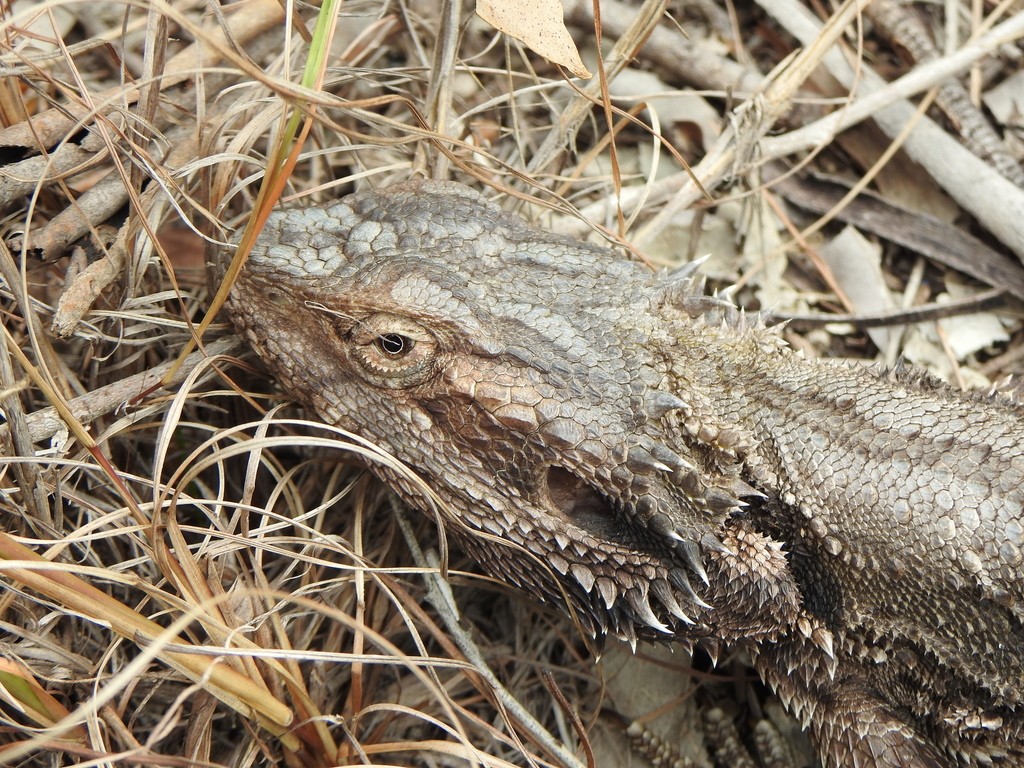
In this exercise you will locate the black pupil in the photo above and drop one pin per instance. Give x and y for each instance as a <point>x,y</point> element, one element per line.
<point>393,344</point>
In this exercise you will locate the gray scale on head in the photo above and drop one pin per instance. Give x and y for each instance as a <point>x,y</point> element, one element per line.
<point>575,319</point>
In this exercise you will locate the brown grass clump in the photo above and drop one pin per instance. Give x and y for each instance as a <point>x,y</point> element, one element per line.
<point>194,573</point>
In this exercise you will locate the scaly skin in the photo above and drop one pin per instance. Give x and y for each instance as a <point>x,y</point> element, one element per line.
<point>666,468</point>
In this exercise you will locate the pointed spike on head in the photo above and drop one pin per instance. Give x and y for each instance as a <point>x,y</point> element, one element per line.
<point>658,403</point>
<point>688,269</point>
<point>728,293</point>
<point>681,286</point>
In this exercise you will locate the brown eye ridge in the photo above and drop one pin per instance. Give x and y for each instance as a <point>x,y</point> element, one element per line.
<point>395,345</point>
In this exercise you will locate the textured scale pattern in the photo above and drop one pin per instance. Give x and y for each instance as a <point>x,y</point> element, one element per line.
<point>664,467</point>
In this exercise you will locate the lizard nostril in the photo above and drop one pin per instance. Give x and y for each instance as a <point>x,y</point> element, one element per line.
<point>278,299</point>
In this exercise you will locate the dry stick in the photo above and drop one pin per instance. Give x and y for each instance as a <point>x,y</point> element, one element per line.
<point>916,81</point>
<point>16,432</point>
<point>95,206</point>
<point>903,26</point>
<point>441,88</point>
<point>45,423</point>
<point>154,59</point>
<point>823,130</point>
<point>755,117</point>
<point>249,20</point>
<point>920,313</point>
<point>439,595</point>
<point>751,120</point>
<point>37,500</point>
<point>996,202</point>
<point>669,50</point>
<point>579,108</point>
<point>85,288</point>
<point>25,176</point>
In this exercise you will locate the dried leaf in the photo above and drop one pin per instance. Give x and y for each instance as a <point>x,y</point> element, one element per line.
<point>538,25</point>
<point>856,265</point>
<point>969,334</point>
<point>1006,100</point>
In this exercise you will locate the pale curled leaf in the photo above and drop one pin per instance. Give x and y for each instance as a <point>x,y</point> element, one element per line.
<point>539,26</point>
<point>856,265</point>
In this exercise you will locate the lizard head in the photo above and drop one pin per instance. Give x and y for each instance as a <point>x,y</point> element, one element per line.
<point>516,373</point>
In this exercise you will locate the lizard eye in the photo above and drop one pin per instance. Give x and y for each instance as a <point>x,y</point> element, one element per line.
<point>392,351</point>
<point>395,345</point>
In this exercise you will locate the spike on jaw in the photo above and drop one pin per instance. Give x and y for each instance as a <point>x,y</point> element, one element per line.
<point>661,590</point>
<point>682,582</point>
<point>722,501</point>
<point>642,611</point>
<point>668,456</point>
<point>711,543</point>
<point>641,461</point>
<point>823,639</point>
<point>712,647</point>
<point>608,591</point>
<point>651,455</point>
<point>691,555</point>
<point>583,575</point>
<point>628,633</point>
<point>743,489</point>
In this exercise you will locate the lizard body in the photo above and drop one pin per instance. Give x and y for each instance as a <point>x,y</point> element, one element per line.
<point>665,467</point>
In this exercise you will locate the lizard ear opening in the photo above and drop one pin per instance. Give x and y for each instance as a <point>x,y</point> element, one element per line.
<point>578,503</point>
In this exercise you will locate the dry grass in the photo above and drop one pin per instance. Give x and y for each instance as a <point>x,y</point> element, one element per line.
<point>194,574</point>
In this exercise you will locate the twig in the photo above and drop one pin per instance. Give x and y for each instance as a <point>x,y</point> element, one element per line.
<point>868,104</point>
<point>561,135</point>
<point>996,202</point>
<point>439,594</point>
<point>45,423</point>
<point>919,314</point>
<point>902,25</point>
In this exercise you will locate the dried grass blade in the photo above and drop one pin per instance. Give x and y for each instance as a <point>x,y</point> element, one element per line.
<point>232,688</point>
